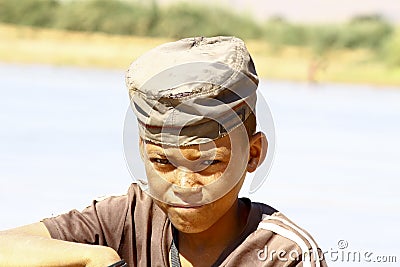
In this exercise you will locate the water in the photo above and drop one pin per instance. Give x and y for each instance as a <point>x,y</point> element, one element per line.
<point>336,171</point>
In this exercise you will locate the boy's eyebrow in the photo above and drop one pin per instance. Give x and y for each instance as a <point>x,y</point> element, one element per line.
<point>214,154</point>
<point>220,153</point>
<point>156,153</point>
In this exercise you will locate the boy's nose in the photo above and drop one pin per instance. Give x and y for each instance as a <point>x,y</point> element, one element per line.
<point>185,178</point>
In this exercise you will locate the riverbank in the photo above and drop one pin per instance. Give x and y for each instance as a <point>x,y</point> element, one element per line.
<point>57,47</point>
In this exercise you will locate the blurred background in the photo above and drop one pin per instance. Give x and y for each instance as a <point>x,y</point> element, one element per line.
<point>330,72</point>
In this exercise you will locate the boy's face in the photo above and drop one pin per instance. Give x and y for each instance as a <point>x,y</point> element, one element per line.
<point>215,170</point>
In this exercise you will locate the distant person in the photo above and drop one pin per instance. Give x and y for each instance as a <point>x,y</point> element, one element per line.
<point>194,100</point>
<point>316,65</point>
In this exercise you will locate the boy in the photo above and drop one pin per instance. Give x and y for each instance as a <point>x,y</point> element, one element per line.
<point>194,100</point>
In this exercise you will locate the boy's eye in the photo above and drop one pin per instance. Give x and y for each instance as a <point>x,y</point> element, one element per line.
<point>160,161</point>
<point>210,162</point>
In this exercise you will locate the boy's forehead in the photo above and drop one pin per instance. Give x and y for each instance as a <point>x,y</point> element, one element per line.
<point>220,144</point>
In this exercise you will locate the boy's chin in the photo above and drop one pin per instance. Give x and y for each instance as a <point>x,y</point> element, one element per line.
<point>190,226</point>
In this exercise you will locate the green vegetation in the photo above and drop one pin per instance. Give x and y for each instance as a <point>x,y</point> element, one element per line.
<point>128,18</point>
<point>184,20</point>
<point>361,32</point>
<point>391,50</point>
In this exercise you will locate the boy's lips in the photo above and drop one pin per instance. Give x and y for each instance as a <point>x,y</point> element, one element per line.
<point>179,206</point>
<point>179,203</point>
<point>186,197</point>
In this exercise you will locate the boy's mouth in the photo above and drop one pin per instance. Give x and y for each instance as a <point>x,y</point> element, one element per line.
<point>180,206</point>
<point>187,198</point>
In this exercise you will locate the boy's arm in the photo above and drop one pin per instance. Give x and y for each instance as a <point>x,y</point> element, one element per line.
<point>31,245</point>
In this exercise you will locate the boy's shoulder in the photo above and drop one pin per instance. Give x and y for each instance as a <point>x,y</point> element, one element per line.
<point>276,241</point>
<point>276,222</point>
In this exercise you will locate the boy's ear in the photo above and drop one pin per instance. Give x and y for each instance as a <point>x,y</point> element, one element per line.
<point>258,151</point>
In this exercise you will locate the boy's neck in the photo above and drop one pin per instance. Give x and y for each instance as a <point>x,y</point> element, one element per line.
<point>204,248</point>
